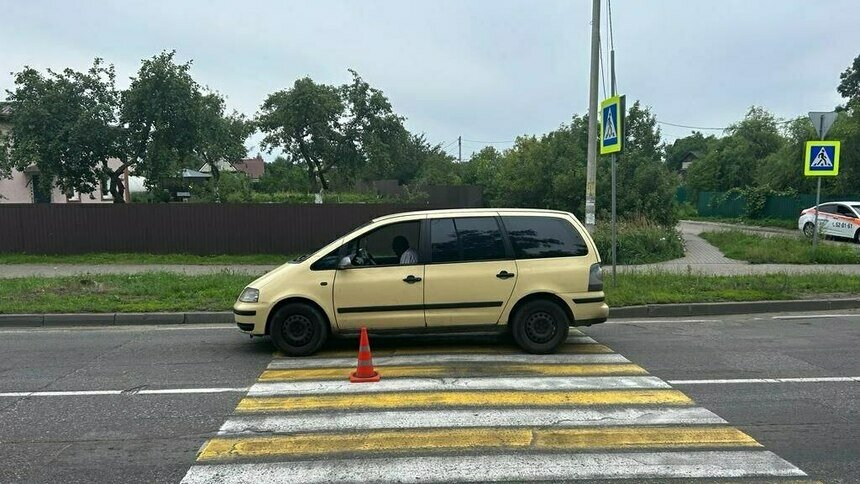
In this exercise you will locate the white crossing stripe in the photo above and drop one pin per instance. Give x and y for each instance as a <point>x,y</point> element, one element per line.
<point>152,391</point>
<point>413,419</point>
<point>437,384</point>
<point>291,363</point>
<point>729,381</point>
<point>520,467</point>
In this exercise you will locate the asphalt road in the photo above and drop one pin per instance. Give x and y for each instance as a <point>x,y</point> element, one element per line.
<point>156,395</point>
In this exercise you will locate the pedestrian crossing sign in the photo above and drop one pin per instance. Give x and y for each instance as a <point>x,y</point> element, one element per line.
<point>822,158</point>
<point>611,125</point>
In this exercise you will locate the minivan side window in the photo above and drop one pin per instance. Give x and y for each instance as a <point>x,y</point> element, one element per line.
<point>466,239</point>
<point>540,237</point>
<point>389,245</point>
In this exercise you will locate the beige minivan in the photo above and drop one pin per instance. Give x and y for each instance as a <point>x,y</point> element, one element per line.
<point>531,272</point>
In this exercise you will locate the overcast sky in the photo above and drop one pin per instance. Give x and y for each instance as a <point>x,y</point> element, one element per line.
<point>487,70</point>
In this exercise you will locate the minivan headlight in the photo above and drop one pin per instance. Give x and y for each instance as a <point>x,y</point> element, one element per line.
<point>250,295</point>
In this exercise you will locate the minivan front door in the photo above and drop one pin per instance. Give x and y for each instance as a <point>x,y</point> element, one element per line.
<point>381,288</point>
<point>469,277</point>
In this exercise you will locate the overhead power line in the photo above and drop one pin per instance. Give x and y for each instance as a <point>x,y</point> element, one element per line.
<point>489,142</point>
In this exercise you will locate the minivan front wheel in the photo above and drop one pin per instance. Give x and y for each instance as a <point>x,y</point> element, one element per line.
<point>298,329</point>
<point>540,327</point>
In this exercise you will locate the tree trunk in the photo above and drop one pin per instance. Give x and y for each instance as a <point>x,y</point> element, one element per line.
<point>117,187</point>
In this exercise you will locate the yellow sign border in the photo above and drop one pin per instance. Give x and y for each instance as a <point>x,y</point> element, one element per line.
<point>605,150</point>
<point>807,158</point>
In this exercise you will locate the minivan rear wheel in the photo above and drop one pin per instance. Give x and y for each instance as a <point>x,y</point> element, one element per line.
<point>540,327</point>
<point>298,329</point>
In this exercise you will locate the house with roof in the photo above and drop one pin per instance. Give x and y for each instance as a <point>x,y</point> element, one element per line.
<point>253,168</point>
<point>26,186</point>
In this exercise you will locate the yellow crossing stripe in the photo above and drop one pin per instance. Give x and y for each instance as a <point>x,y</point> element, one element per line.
<point>474,438</point>
<point>576,348</point>
<point>374,401</point>
<point>459,370</point>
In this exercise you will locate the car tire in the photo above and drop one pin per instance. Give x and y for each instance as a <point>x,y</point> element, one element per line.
<point>808,229</point>
<point>540,326</point>
<point>298,329</point>
<point>857,237</point>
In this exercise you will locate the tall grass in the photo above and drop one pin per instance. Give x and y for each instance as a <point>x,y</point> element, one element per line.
<point>640,242</point>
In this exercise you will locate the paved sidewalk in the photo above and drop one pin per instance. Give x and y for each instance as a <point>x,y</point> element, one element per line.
<point>49,270</point>
<point>703,258</point>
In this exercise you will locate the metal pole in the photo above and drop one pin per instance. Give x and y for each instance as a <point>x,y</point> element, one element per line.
<point>591,160</point>
<point>613,159</point>
<point>817,196</point>
<point>459,149</point>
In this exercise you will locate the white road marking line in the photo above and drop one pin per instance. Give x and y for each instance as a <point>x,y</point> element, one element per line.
<point>292,363</point>
<point>816,316</point>
<point>437,384</point>
<point>637,321</point>
<point>580,340</point>
<point>397,419</point>
<point>821,379</point>
<point>520,467</point>
<point>154,391</point>
<point>135,328</point>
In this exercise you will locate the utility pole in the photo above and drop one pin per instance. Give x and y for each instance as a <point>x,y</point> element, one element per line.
<point>817,197</point>
<point>613,159</point>
<point>460,149</point>
<point>591,161</point>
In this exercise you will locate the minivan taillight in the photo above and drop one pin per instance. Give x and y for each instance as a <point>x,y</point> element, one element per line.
<point>595,278</point>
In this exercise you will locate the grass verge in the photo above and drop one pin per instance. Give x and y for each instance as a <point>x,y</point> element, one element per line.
<point>664,288</point>
<point>779,223</point>
<point>777,249</point>
<point>139,258</point>
<point>158,291</point>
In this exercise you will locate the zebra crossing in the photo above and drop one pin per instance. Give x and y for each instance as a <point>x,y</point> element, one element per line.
<point>476,413</point>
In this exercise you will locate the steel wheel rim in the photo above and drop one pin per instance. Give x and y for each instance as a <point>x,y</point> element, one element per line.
<point>540,327</point>
<point>298,330</point>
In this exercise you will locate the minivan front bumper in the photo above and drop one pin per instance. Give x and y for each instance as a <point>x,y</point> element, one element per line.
<point>250,317</point>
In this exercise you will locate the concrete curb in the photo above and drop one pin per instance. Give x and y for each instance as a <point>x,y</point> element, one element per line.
<point>722,308</point>
<point>114,319</point>
<point>226,317</point>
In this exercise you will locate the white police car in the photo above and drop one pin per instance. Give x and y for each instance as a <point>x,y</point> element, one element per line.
<point>837,219</point>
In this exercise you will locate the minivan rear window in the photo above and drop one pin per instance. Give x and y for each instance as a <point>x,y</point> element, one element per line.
<point>541,237</point>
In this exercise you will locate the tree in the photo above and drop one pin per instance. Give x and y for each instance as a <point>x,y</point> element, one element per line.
<point>348,130</point>
<point>695,143</point>
<point>734,158</point>
<point>282,175</point>
<point>220,137</point>
<point>161,112</point>
<point>65,124</point>
<point>645,186</point>
<point>849,82</point>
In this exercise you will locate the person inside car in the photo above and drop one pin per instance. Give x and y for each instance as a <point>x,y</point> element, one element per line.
<point>407,255</point>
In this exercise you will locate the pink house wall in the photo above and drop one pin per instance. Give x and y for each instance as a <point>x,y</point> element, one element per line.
<point>18,189</point>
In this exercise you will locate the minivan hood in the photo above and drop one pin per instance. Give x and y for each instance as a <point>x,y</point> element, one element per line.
<point>283,270</point>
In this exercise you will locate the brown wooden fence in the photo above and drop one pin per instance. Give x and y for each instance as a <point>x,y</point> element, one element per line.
<point>180,228</point>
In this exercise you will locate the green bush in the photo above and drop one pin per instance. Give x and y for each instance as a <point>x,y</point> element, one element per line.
<point>639,242</point>
<point>329,197</point>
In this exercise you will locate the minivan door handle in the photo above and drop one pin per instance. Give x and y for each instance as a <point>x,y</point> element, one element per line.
<point>410,279</point>
<point>505,275</point>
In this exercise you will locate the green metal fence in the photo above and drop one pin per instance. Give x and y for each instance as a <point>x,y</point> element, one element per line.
<point>716,204</point>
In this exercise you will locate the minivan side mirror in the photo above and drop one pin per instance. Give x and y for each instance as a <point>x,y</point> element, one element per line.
<point>345,263</point>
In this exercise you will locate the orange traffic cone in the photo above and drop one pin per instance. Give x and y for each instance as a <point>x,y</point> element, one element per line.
<point>364,372</point>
